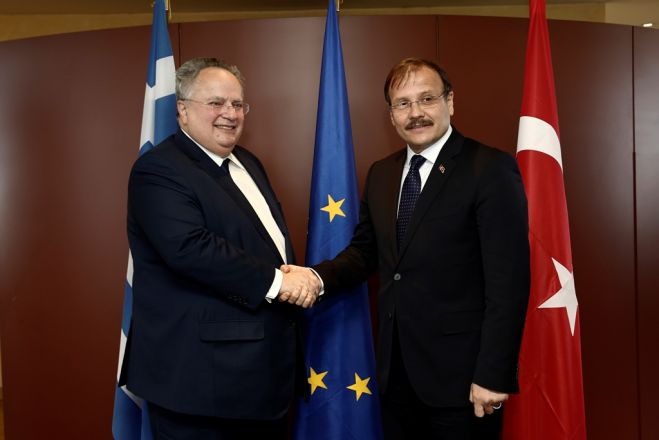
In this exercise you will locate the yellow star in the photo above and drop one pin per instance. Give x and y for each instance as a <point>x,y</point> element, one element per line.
<point>360,386</point>
<point>316,380</point>
<point>333,208</point>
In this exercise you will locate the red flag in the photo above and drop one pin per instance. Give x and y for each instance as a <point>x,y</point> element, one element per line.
<point>550,405</point>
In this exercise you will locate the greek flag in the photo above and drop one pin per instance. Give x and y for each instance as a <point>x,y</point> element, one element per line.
<point>131,420</point>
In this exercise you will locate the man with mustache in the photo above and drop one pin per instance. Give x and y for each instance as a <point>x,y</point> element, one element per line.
<point>444,223</point>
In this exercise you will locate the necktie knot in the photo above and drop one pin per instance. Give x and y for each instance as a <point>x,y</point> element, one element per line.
<point>416,162</point>
<point>225,165</point>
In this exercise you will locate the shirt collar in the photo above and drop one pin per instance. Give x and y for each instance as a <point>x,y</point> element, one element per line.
<point>214,156</point>
<point>430,153</point>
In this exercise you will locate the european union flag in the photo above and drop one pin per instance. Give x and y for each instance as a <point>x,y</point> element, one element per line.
<point>340,362</point>
<point>130,420</point>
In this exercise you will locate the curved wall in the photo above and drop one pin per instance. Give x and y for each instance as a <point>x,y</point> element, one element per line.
<point>70,111</point>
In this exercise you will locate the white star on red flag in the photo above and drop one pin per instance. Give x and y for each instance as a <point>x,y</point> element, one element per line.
<point>550,403</point>
<point>566,295</point>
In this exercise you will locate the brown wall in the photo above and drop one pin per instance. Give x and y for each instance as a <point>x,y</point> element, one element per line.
<point>646,132</point>
<point>70,113</point>
<point>70,109</point>
<point>596,105</point>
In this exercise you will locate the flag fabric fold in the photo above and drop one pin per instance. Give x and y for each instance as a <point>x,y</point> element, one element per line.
<point>130,420</point>
<point>339,355</point>
<point>550,405</point>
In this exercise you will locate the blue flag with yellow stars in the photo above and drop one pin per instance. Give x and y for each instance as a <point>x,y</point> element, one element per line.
<point>340,363</point>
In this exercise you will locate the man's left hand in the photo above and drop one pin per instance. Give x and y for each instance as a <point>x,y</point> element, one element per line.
<point>485,401</point>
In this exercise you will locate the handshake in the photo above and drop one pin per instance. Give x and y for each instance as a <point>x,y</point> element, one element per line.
<point>300,286</point>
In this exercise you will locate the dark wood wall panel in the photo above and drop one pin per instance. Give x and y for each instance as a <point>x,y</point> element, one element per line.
<point>487,73</point>
<point>646,112</point>
<point>70,120</point>
<point>593,68</point>
<point>70,114</point>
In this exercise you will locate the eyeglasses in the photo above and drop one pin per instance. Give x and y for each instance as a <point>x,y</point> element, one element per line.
<point>221,104</point>
<point>425,102</point>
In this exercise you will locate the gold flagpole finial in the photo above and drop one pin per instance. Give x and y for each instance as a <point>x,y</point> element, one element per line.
<point>168,8</point>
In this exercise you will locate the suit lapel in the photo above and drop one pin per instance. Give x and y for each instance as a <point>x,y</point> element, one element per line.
<point>393,189</point>
<point>228,186</point>
<point>275,208</point>
<point>439,175</point>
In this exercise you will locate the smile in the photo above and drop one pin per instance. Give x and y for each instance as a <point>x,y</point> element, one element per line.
<point>224,127</point>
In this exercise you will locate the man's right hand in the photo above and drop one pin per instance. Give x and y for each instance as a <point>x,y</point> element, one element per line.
<point>300,286</point>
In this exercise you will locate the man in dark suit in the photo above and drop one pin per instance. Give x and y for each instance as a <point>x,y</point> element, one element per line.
<point>213,340</point>
<point>444,223</point>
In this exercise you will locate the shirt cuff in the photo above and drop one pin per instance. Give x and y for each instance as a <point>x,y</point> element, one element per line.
<point>275,287</point>
<point>322,285</point>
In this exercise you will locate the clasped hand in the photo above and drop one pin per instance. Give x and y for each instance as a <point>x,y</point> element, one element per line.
<point>300,286</point>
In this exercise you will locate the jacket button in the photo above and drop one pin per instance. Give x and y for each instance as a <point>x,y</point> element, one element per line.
<point>397,277</point>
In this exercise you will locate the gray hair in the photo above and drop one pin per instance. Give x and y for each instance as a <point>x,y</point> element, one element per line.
<point>187,73</point>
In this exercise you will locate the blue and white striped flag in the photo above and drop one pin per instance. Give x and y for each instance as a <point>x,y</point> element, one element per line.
<point>131,420</point>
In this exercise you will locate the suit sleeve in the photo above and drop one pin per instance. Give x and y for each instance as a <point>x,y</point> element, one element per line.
<point>358,261</point>
<point>166,213</point>
<point>502,219</point>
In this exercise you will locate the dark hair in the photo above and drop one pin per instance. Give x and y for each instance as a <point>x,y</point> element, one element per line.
<point>187,73</point>
<point>409,65</point>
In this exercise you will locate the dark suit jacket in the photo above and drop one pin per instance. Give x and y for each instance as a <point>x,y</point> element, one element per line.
<point>458,287</point>
<point>203,339</point>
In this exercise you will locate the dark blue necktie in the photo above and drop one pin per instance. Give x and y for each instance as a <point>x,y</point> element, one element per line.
<point>408,196</point>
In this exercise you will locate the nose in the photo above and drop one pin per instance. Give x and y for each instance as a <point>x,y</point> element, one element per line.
<point>415,109</point>
<point>228,112</point>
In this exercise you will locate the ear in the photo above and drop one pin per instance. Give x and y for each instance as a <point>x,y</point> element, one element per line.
<point>182,112</point>
<point>391,117</point>
<point>449,103</point>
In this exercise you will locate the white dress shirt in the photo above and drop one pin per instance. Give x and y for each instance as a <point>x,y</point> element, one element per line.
<point>251,191</point>
<point>430,154</point>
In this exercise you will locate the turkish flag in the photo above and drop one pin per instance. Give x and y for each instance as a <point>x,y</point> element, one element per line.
<point>550,405</point>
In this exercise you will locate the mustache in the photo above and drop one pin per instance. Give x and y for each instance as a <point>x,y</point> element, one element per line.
<point>421,122</point>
